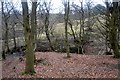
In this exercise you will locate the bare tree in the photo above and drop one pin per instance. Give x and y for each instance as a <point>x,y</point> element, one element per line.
<point>113,37</point>
<point>34,25</point>
<point>13,23</point>
<point>46,22</point>
<point>82,31</point>
<point>112,27</point>
<point>6,16</point>
<point>14,36</point>
<point>66,17</point>
<point>79,11</point>
<point>29,40</point>
<point>3,53</point>
<point>71,27</point>
<point>107,24</point>
<point>89,21</point>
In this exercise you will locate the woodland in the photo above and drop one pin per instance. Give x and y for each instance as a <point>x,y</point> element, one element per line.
<point>80,41</point>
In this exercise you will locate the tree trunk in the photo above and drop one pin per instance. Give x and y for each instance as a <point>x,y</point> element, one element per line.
<point>81,34</point>
<point>107,25</point>
<point>15,45</point>
<point>3,47</point>
<point>89,22</point>
<point>76,42</point>
<point>73,33</point>
<point>29,68</point>
<point>114,34</point>
<point>34,26</point>
<point>66,15</point>
<point>46,27</point>
<point>82,25</point>
<point>5,23</point>
<point>6,37</point>
<point>47,35</point>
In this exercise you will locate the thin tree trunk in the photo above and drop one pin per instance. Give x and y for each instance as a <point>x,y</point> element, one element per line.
<point>81,30</point>
<point>76,42</point>
<point>47,35</point>
<point>82,21</point>
<point>3,47</point>
<point>66,22</point>
<point>15,45</point>
<point>88,24</point>
<point>6,35</point>
<point>5,23</point>
<point>46,27</point>
<point>107,24</point>
<point>73,33</point>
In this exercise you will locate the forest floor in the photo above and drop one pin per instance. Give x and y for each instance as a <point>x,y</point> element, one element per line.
<point>55,65</point>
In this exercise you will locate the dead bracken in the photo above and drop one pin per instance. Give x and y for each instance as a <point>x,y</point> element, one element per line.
<point>56,66</point>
